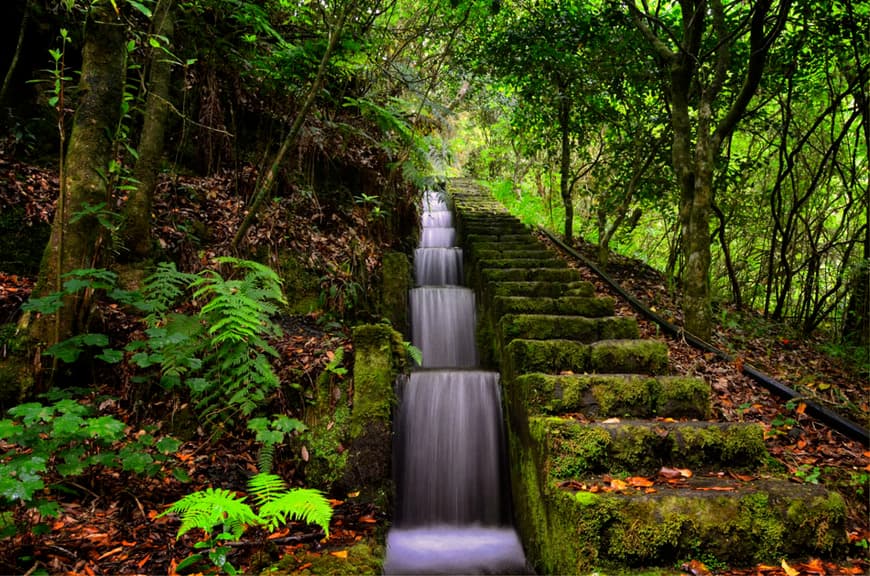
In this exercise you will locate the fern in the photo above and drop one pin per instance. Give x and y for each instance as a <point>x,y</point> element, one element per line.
<point>266,487</point>
<point>303,504</point>
<point>213,507</point>
<point>163,289</point>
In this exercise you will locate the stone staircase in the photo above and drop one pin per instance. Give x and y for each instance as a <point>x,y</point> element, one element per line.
<point>614,463</point>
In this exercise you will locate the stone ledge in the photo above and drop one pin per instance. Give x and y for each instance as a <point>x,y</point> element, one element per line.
<point>612,395</point>
<point>577,450</point>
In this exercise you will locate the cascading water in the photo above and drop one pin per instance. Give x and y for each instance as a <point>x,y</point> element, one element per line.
<point>452,514</point>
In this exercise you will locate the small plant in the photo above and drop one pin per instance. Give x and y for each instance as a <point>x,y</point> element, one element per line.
<point>808,474</point>
<point>224,516</point>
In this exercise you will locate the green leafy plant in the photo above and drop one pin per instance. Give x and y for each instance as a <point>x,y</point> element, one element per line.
<point>68,439</point>
<point>221,354</point>
<point>238,375</point>
<point>224,516</point>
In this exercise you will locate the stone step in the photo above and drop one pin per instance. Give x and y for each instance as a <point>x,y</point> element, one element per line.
<point>540,289</point>
<point>522,356</point>
<point>495,237</point>
<point>540,252</point>
<point>736,523</point>
<point>472,250</point>
<point>529,274</point>
<point>555,326</point>
<point>589,306</point>
<point>507,262</point>
<point>612,395</point>
<point>577,450</point>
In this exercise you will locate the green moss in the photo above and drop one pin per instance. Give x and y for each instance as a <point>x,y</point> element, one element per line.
<point>396,274</point>
<point>300,285</point>
<point>547,326</point>
<point>818,520</point>
<point>629,356</point>
<point>363,558</point>
<point>552,356</point>
<point>735,445</point>
<point>625,396</point>
<point>683,397</point>
<point>574,450</point>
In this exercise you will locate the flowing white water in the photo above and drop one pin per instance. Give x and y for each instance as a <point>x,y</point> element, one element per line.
<point>453,513</point>
<point>437,266</point>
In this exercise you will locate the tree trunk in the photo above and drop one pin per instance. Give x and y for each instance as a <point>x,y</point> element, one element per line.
<point>75,243</point>
<point>565,168</point>
<point>137,211</point>
<point>22,31</point>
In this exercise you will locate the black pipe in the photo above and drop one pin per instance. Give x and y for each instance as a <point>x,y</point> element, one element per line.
<point>827,416</point>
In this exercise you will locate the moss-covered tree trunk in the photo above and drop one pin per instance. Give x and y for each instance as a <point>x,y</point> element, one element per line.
<point>77,242</point>
<point>696,84</point>
<point>137,212</point>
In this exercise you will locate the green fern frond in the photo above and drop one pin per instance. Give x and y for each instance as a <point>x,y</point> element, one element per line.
<point>265,459</point>
<point>303,504</point>
<point>212,507</point>
<point>266,487</point>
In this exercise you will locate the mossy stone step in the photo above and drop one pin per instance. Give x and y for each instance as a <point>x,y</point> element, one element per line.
<point>495,237</point>
<point>740,525</point>
<point>564,327</point>
<point>496,229</point>
<point>507,262</point>
<point>529,274</point>
<point>641,447</point>
<point>523,356</point>
<point>612,395</point>
<point>541,289</point>
<point>525,253</point>
<point>472,250</point>
<point>589,306</point>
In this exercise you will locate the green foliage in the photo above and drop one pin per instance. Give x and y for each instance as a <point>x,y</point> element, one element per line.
<point>272,433</point>
<point>68,439</point>
<point>221,355</point>
<point>224,516</point>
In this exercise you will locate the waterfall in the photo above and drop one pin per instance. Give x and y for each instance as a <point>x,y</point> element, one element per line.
<point>452,514</point>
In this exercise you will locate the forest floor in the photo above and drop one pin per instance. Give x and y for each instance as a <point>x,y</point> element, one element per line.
<point>108,521</point>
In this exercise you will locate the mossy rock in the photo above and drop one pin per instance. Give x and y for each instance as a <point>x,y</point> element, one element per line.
<point>523,254</point>
<point>629,356</point>
<point>507,262</point>
<point>396,275</point>
<point>364,558</point>
<point>738,524</point>
<point>578,450</point>
<point>300,285</point>
<point>474,250</point>
<point>550,326</point>
<point>522,356</point>
<point>541,289</point>
<point>546,327</point>
<point>529,274</point>
<point>612,395</point>
<point>591,307</point>
<point>496,237</point>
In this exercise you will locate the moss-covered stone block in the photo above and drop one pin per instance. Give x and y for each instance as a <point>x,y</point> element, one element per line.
<point>529,274</point>
<point>350,427</point>
<point>642,447</point>
<point>522,356</point>
<point>594,307</point>
<point>396,271</point>
<point>547,326</point>
<point>629,356</point>
<point>618,328</point>
<point>540,289</point>
<point>523,254</point>
<point>496,237</point>
<point>505,262</point>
